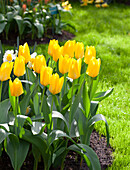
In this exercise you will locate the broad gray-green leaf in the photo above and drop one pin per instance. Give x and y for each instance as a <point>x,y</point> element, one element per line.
<point>37,127</point>
<point>2,26</point>
<point>4,107</point>
<point>40,29</point>
<point>3,135</point>
<point>87,153</point>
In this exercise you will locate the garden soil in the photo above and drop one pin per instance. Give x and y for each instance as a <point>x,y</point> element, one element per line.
<point>72,161</point>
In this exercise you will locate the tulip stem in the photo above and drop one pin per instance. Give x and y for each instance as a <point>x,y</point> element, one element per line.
<point>16,109</point>
<point>65,83</point>
<point>51,123</point>
<point>27,73</point>
<point>0,90</point>
<point>71,104</point>
<point>42,97</point>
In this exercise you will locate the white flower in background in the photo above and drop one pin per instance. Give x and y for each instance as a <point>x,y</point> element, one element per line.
<point>10,55</point>
<point>30,63</point>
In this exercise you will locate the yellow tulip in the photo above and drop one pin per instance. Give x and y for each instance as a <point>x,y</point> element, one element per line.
<point>45,75</point>
<point>105,5</point>
<point>75,68</point>
<point>5,71</point>
<point>51,45</point>
<point>56,84</point>
<point>69,48</point>
<point>16,87</point>
<point>38,63</point>
<point>25,52</point>
<point>64,63</point>
<point>19,66</point>
<point>79,50</point>
<point>93,67</point>
<point>57,52</point>
<point>89,53</point>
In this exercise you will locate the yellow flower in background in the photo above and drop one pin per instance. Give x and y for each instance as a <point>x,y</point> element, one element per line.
<point>25,52</point>
<point>75,68</point>
<point>19,66</point>
<point>93,67</point>
<point>64,4</point>
<point>90,1</point>
<point>30,63</point>
<point>64,63</point>
<point>56,84</point>
<point>89,53</point>
<point>5,71</point>
<point>79,50</point>
<point>51,45</point>
<point>84,3</point>
<point>68,7</point>
<point>38,63</point>
<point>99,1</point>
<point>16,87</point>
<point>98,5</point>
<point>57,52</point>
<point>45,75</point>
<point>105,5</point>
<point>69,48</point>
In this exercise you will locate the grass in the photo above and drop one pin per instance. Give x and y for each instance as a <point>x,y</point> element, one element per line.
<point>109,31</point>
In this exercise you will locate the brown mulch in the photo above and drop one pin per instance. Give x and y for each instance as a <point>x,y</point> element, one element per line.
<point>12,40</point>
<point>72,161</point>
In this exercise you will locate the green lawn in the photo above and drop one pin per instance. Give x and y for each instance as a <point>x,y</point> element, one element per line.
<point>109,31</point>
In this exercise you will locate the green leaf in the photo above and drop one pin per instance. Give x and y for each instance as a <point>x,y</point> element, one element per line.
<point>36,155</point>
<point>40,142</point>
<point>97,118</point>
<point>93,107</point>
<point>12,100</point>
<point>76,102</point>
<point>2,18</point>
<point>46,110</point>
<point>2,26</point>
<point>17,150</point>
<point>40,29</point>
<point>3,135</point>
<point>87,153</point>
<point>86,100</point>
<point>102,95</point>
<point>56,114</point>
<point>25,101</point>
<point>4,107</point>
<point>10,16</point>
<point>1,53</point>
<point>19,22</point>
<point>36,103</point>
<point>93,86</point>
<point>38,127</point>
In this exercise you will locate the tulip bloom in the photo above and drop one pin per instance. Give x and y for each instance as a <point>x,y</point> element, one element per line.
<point>69,48</point>
<point>24,7</point>
<point>57,52</point>
<point>89,53</point>
<point>56,84</point>
<point>45,75</point>
<point>19,66</point>
<point>38,63</point>
<point>28,2</point>
<point>25,52</point>
<point>5,71</point>
<point>93,67</point>
<point>75,68</point>
<point>105,5</point>
<point>16,87</point>
<point>64,63</point>
<point>51,45</point>
<point>79,50</point>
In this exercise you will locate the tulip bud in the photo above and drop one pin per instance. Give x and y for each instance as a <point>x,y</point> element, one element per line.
<point>93,67</point>
<point>16,87</point>
<point>51,45</point>
<point>45,75</point>
<point>5,71</point>
<point>79,50</point>
<point>75,68</point>
<point>25,52</point>
<point>28,2</point>
<point>69,48</point>
<point>38,63</point>
<point>57,52</point>
<point>24,7</point>
<point>19,66</point>
<point>56,84</point>
<point>89,53</point>
<point>64,64</point>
